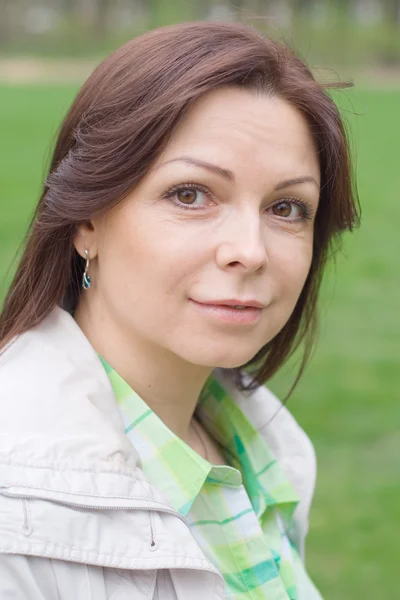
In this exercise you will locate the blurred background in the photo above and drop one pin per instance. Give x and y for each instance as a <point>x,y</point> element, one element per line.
<point>348,400</point>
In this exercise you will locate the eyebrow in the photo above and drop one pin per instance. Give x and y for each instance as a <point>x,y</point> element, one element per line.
<point>228,174</point>
<point>296,181</point>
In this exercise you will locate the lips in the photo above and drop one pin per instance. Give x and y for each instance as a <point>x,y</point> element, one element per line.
<point>231,312</point>
<point>233,303</point>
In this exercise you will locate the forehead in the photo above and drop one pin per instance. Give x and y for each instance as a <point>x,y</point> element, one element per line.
<point>232,127</point>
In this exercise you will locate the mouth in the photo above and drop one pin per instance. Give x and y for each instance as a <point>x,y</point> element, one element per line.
<point>235,303</point>
<point>231,311</point>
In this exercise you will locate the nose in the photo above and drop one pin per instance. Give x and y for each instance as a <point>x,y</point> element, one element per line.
<point>242,245</point>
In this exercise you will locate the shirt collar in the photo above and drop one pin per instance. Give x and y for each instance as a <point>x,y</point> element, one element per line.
<point>179,472</point>
<point>248,451</point>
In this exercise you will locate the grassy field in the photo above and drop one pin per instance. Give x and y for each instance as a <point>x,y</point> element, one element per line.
<point>347,399</point>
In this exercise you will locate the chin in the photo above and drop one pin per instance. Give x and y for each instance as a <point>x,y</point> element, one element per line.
<point>223,360</point>
<point>232,362</point>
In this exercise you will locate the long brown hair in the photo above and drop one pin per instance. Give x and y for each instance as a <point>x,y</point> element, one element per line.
<point>118,124</point>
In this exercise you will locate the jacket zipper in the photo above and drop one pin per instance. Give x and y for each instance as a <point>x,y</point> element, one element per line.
<point>167,510</point>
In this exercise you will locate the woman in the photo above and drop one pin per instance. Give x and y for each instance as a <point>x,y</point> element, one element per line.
<point>173,264</point>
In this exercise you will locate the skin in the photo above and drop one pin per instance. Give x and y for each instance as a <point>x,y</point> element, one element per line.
<point>244,239</point>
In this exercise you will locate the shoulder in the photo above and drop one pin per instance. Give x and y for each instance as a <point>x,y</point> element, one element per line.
<point>52,384</point>
<point>53,338</point>
<point>289,443</point>
<point>54,356</point>
<point>33,366</point>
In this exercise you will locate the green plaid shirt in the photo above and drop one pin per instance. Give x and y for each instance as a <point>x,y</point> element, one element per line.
<point>238,514</point>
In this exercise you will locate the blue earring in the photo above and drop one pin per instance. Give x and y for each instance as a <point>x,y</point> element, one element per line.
<point>86,281</point>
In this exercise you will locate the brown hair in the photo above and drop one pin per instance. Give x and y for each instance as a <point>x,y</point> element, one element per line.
<point>120,121</point>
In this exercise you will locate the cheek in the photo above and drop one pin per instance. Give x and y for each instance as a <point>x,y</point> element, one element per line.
<point>148,258</point>
<point>291,263</point>
<point>289,266</point>
<point>132,242</point>
<point>124,257</point>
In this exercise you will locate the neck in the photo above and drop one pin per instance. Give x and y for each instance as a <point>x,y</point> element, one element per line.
<point>169,385</point>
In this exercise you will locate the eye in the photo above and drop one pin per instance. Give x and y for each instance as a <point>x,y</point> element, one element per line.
<point>286,209</point>
<point>189,196</point>
<point>292,209</point>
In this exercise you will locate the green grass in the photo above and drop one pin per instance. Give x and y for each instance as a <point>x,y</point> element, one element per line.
<point>347,399</point>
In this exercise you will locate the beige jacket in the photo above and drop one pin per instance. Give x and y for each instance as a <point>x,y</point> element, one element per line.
<point>78,520</point>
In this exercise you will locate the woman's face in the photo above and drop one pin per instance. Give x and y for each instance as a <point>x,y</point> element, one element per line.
<point>224,218</point>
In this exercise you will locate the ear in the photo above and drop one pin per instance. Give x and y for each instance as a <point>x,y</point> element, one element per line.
<point>86,239</point>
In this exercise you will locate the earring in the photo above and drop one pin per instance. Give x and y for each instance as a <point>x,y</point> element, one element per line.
<point>86,281</point>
